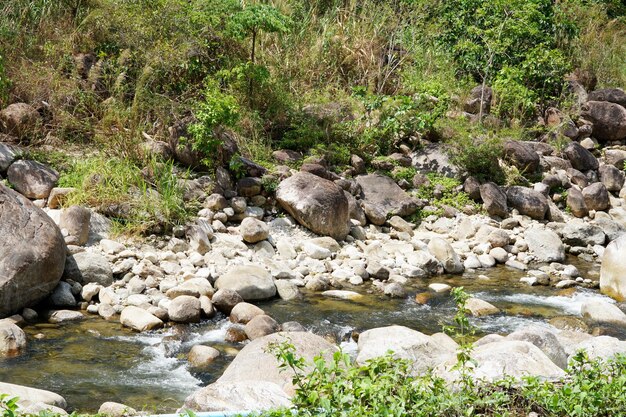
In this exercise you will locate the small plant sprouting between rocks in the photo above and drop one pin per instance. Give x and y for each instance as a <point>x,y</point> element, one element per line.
<point>8,405</point>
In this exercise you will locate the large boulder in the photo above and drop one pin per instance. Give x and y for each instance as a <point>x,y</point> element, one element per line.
<point>601,347</point>
<point>18,119</point>
<point>576,203</point>
<point>609,120</point>
<point>255,363</point>
<point>494,200</point>
<point>613,270</point>
<point>494,361</point>
<point>32,253</point>
<point>86,267</point>
<point>236,396</point>
<point>580,233</point>
<point>545,245</point>
<point>527,201</point>
<point>421,350</point>
<point>580,158</point>
<point>251,282</point>
<point>522,155</point>
<point>382,198</point>
<point>32,179</point>
<point>316,203</point>
<point>545,340</point>
<point>28,396</point>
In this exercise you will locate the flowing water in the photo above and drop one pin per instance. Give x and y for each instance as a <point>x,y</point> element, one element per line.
<point>95,361</point>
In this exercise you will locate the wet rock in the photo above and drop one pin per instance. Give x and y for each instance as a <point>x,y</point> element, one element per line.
<point>33,253</point>
<point>381,198</point>
<point>596,197</point>
<point>316,203</point>
<point>63,316</point>
<point>261,325</point>
<point>12,339</point>
<point>250,281</point>
<point>545,245</point>
<point>613,270</point>
<point>528,202</point>
<point>580,158</point>
<point>86,267</point>
<point>139,319</point>
<point>609,120</point>
<point>494,200</point>
<point>200,356</point>
<point>421,350</point>
<point>479,308</point>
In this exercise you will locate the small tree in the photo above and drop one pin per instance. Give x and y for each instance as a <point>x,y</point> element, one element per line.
<point>252,20</point>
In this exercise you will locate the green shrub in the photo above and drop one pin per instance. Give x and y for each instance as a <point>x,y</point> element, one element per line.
<point>218,109</point>
<point>450,194</point>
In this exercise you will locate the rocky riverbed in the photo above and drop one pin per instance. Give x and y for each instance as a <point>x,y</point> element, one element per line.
<point>325,260</point>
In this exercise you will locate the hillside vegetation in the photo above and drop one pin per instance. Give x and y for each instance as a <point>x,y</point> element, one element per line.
<point>328,78</point>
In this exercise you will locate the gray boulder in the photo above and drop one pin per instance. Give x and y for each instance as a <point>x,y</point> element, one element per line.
<point>32,179</point>
<point>611,177</point>
<point>527,201</point>
<point>545,340</point>
<point>184,309</point>
<point>579,233</point>
<point>596,197</point>
<point>576,203</point>
<point>382,198</point>
<point>612,95</point>
<point>545,245</point>
<point>522,156</point>
<point>602,312</point>
<point>86,267</point>
<point>29,395</point>
<point>318,204</point>
<point>609,120</point>
<point>494,200</point>
<point>580,158</point>
<point>261,325</point>
<point>32,253</point>
<point>421,350</point>
<point>62,296</point>
<point>236,396</point>
<point>249,281</point>
<point>445,254</point>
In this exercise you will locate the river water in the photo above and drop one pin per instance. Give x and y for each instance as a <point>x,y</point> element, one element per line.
<point>96,361</point>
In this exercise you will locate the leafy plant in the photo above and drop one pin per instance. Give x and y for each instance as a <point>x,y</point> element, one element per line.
<point>449,195</point>
<point>217,110</point>
<point>8,405</point>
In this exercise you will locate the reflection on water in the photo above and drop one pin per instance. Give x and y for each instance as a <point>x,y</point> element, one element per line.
<point>96,361</point>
